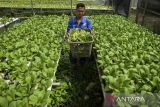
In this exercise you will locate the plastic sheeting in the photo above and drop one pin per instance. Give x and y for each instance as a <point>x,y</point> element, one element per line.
<point>134,4</point>
<point>153,5</point>
<point>122,7</point>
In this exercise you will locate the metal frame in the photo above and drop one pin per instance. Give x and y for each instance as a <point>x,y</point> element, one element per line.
<point>30,9</point>
<point>145,10</point>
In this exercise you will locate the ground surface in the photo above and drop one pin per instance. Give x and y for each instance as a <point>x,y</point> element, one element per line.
<point>85,88</point>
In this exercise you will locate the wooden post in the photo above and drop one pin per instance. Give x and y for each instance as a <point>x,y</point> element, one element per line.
<point>71,8</point>
<point>32,7</point>
<point>138,10</point>
<point>144,12</point>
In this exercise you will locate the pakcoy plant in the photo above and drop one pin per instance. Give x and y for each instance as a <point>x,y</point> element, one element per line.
<point>128,54</point>
<point>80,35</point>
<point>32,50</point>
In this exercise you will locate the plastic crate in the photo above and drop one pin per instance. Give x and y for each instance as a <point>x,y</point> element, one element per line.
<point>81,49</point>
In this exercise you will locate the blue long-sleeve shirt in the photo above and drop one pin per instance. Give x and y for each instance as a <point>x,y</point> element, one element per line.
<point>84,24</point>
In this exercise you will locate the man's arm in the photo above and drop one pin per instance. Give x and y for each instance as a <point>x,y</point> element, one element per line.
<point>89,25</point>
<point>70,25</point>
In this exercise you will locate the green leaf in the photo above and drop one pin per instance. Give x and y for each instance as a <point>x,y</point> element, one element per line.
<point>3,102</point>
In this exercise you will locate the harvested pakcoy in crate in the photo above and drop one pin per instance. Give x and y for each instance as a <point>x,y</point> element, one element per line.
<point>80,43</point>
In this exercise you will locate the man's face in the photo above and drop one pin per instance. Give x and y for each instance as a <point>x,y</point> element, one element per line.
<point>80,12</point>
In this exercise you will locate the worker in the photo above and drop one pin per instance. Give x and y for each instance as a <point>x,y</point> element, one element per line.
<point>79,21</point>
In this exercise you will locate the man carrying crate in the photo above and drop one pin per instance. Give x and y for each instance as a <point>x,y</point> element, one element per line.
<point>82,22</point>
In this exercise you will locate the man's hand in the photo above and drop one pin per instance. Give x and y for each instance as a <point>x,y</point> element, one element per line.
<point>67,36</point>
<point>93,33</point>
<point>86,29</point>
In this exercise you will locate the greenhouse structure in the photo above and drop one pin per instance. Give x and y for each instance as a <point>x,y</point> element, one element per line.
<point>79,53</point>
